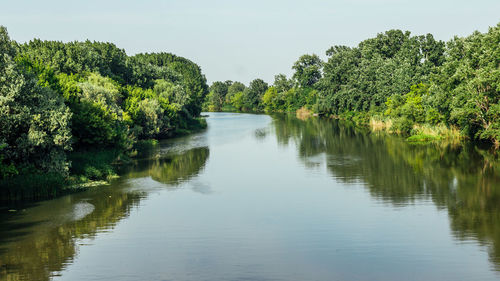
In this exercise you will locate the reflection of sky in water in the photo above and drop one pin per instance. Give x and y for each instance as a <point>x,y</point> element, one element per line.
<point>81,210</point>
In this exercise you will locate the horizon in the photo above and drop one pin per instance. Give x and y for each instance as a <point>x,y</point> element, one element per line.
<point>242,41</point>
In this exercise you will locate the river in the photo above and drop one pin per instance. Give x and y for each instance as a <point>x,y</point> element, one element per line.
<point>259,197</point>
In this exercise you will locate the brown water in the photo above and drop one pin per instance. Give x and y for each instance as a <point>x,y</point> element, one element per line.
<point>259,197</point>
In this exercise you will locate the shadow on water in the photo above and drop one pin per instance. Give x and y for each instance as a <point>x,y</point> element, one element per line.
<point>40,241</point>
<point>10,230</point>
<point>464,180</point>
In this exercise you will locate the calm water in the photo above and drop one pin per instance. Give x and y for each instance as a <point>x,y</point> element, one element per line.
<point>259,197</point>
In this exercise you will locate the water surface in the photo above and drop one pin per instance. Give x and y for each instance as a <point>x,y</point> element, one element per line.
<point>259,197</point>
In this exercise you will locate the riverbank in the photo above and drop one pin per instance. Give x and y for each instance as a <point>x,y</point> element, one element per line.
<point>419,133</point>
<point>405,84</point>
<point>88,168</point>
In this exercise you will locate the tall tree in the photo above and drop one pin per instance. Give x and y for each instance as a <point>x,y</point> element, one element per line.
<point>254,92</point>
<point>307,70</point>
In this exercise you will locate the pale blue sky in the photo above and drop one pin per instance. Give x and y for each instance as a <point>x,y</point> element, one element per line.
<point>241,40</point>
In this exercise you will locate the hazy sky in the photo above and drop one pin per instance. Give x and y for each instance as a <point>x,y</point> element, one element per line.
<point>241,40</point>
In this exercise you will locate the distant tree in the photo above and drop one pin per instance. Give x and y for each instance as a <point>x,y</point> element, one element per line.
<point>307,70</point>
<point>281,83</point>
<point>362,78</point>
<point>218,92</point>
<point>270,99</point>
<point>237,101</point>
<point>234,88</point>
<point>253,94</point>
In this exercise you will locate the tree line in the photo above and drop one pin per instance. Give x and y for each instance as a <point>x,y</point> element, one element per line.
<point>405,83</point>
<point>59,99</point>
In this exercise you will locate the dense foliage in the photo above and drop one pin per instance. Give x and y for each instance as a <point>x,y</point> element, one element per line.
<point>63,98</point>
<point>402,82</point>
<point>34,120</point>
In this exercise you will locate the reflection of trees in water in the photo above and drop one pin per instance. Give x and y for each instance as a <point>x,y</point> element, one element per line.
<point>181,167</point>
<point>464,180</point>
<point>42,251</point>
<point>171,169</point>
<point>36,255</point>
<point>260,134</point>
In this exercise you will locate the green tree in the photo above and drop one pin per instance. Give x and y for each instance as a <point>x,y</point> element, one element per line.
<point>307,70</point>
<point>253,94</point>
<point>175,69</point>
<point>34,119</point>
<point>169,92</point>
<point>234,88</point>
<point>270,99</point>
<point>408,109</point>
<point>237,101</point>
<point>467,86</point>
<point>281,83</point>
<point>218,92</point>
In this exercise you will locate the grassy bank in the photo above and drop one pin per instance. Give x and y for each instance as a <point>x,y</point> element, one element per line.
<point>414,132</point>
<point>417,132</point>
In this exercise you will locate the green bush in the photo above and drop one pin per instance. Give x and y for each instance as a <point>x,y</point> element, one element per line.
<point>423,138</point>
<point>94,164</point>
<point>402,125</point>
